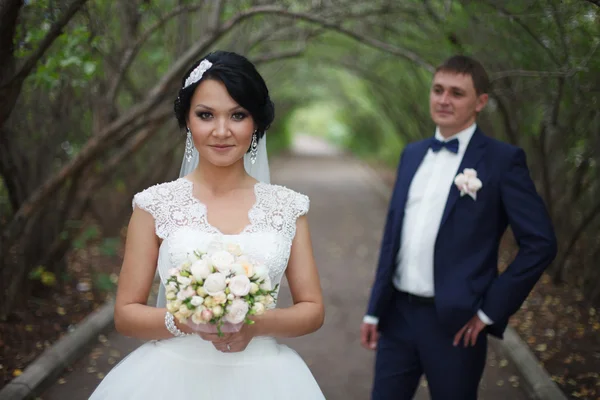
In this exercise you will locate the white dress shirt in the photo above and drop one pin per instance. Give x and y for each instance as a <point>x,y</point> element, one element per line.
<point>425,203</point>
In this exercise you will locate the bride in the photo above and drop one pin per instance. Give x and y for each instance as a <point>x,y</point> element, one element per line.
<point>223,194</point>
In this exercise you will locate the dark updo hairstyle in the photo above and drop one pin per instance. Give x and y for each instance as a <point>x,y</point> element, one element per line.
<point>243,82</point>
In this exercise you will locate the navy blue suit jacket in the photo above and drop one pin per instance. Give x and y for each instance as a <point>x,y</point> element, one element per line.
<point>466,249</point>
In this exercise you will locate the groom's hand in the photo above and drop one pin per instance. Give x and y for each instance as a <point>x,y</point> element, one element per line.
<point>470,332</point>
<point>368,336</point>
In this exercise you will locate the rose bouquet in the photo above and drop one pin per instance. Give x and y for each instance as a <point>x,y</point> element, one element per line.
<point>219,290</point>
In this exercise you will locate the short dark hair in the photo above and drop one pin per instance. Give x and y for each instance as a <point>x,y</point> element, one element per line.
<point>460,64</point>
<point>243,82</point>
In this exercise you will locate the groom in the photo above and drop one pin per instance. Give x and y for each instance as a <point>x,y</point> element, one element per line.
<point>437,292</point>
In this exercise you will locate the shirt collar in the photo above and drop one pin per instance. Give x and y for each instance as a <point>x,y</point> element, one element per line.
<point>464,137</point>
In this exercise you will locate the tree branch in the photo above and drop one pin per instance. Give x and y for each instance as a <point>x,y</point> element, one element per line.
<point>131,52</point>
<point>536,74</point>
<point>53,33</point>
<point>374,43</point>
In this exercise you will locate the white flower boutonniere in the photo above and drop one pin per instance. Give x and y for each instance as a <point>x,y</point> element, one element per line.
<point>468,183</point>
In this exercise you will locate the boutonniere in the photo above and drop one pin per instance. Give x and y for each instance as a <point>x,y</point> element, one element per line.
<point>468,183</point>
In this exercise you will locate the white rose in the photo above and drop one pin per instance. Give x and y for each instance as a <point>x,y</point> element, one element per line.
<point>177,303</point>
<point>474,184</point>
<point>200,270</point>
<point>181,296</point>
<point>460,180</point>
<point>260,272</point>
<point>470,173</point>
<point>186,294</point>
<point>266,284</point>
<point>238,269</point>
<point>171,296</point>
<point>234,249</point>
<point>237,311</point>
<point>171,287</point>
<point>239,285</point>
<point>222,261</point>
<point>197,301</point>
<point>269,300</point>
<point>253,288</point>
<point>201,292</point>
<point>184,280</point>
<point>230,296</point>
<point>217,311</point>
<point>220,298</point>
<point>258,308</point>
<point>215,283</point>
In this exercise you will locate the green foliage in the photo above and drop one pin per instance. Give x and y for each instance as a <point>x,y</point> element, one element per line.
<point>110,246</point>
<point>103,282</point>
<point>90,234</point>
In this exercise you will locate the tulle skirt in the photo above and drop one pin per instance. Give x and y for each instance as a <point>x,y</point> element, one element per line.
<point>191,368</point>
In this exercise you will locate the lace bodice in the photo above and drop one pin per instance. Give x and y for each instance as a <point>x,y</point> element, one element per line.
<point>180,221</point>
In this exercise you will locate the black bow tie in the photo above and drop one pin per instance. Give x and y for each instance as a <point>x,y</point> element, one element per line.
<point>437,145</point>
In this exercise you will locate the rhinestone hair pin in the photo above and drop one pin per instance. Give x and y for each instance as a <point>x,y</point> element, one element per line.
<point>197,73</point>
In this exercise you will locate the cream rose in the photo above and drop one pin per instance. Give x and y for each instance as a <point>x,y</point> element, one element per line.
<point>234,249</point>
<point>222,261</point>
<point>171,296</point>
<point>209,301</point>
<point>258,308</point>
<point>200,270</point>
<point>197,317</point>
<point>253,288</point>
<point>185,312</point>
<point>172,307</point>
<point>236,312</point>
<point>239,285</point>
<point>217,311</point>
<point>201,292</point>
<point>220,298</point>
<point>215,283</point>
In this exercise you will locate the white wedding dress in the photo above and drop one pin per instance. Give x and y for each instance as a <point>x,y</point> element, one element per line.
<point>189,367</point>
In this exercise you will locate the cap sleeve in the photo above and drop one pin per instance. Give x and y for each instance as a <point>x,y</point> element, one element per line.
<point>148,201</point>
<point>301,204</point>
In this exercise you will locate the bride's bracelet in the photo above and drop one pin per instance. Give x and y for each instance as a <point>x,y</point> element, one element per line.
<point>171,327</point>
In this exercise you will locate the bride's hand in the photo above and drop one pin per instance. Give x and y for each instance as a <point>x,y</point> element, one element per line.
<point>237,341</point>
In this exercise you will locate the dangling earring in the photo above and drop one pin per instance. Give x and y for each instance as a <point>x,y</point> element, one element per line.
<point>254,147</point>
<point>189,146</point>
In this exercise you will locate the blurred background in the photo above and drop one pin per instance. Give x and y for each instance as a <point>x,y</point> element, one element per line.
<point>86,99</point>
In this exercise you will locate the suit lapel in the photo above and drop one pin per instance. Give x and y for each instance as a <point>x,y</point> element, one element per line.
<point>473,154</point>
